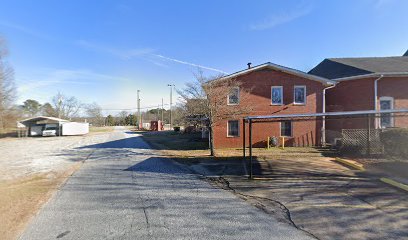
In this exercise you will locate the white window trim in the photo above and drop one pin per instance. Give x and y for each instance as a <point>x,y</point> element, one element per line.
<point>391,99</point>
<point>232,104</point>
<point>281,88</point>
<point>294,96</point>
<point>291,129</point>
<point>231,136</point>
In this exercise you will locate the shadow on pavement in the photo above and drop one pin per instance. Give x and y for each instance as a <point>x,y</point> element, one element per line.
<point>158,165</point>
<point>330,201</point>
<point>132,142</point>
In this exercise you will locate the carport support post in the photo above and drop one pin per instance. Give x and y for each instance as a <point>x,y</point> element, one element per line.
<point>243,140</point>
<point>368,134</point>
<point>250,149</point>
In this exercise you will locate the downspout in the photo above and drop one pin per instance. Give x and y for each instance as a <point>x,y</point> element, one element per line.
<point>377,123</point>
<point>324,118</point>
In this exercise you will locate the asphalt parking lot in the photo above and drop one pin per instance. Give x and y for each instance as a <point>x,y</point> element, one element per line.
<point>125,191</point>
<point>324,198</point>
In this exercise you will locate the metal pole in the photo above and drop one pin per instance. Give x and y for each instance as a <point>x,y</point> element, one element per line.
<point>171,103</point>
<point>59,105</point>
<point>138,110</point>
<point>162,110</point>
<point>250,149</point>
<point>243,140</point>
<point>368,134</point>
<point>157,113</point>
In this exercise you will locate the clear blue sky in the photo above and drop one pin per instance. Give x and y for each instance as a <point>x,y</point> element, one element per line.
<point>103,51</point>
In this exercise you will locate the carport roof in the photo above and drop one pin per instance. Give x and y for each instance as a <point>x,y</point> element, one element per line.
<point>41,118</point>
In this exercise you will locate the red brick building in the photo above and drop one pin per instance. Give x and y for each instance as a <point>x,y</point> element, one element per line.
<point>351,84</point>
<point>378,83</point>
<point>274,89</point>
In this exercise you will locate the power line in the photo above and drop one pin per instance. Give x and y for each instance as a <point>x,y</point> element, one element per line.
<point>134,109</point>
<point>108,109</point>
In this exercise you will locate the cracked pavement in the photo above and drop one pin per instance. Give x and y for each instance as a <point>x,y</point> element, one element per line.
<point>125,191</point>
<point>329,200</point>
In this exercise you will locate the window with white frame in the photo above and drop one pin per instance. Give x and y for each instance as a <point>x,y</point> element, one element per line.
<point>286,128</point>
<point>233,128</point>
<point>233,96</point>
<point>386,119</point>
<point>277,95</point>
<point>299,95</point>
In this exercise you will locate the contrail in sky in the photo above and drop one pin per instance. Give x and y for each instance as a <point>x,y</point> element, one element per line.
<point>191,64</point>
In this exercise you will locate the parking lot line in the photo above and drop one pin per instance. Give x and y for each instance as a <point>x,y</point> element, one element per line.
<point>394,183</point>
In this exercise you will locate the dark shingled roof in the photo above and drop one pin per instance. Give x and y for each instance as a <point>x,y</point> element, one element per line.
<point>406,53</point>
<point>332,68</point>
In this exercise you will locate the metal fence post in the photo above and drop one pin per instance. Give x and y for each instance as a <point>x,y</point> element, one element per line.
<point>250,149</point>
<point>368,134</point>
<point>243,141</point>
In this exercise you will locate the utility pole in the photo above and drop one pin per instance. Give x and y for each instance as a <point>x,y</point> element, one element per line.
<point>138,111</point>
<point>171,103</point>
<point>59,104</point>
<point>162,110</point>
<point>157,113</point>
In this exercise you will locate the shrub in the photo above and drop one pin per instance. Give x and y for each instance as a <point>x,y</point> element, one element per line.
<point>395,142</point>
<point>176,129</point>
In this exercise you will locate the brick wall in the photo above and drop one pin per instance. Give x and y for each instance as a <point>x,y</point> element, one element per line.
<point>260,83</point>
<point>358,95</point>
<point>398,89</point>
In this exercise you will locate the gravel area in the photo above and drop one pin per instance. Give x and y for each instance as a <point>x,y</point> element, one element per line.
<point>26,156</point>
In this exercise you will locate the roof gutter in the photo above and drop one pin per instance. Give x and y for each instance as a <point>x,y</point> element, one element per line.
<point>388,74</point>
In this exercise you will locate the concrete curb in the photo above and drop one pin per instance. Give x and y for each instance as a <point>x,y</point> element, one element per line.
<point>395,183</point>
<point>351,164</point>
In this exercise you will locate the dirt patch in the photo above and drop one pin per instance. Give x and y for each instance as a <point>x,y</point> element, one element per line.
<point>21,199</point>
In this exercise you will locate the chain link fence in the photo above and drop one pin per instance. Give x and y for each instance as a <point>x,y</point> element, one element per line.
<point>367,135</point>
<point>355,133</point>
<point>362,141</point>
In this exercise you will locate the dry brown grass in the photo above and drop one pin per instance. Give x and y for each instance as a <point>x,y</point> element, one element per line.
<point>8,132</point>
<point>100,129</point>
<point>21,199</point>
<point>93,129</point>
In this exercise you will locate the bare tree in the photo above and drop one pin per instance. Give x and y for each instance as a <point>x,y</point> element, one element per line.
<point>207,98</point>
<point>8,112</point>
<point>65,107</point>
<point>94,112</point>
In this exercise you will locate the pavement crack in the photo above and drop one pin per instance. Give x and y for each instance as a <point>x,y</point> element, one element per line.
<point>61,235</point>
<point>146,218</point>
<point>258,203</point>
